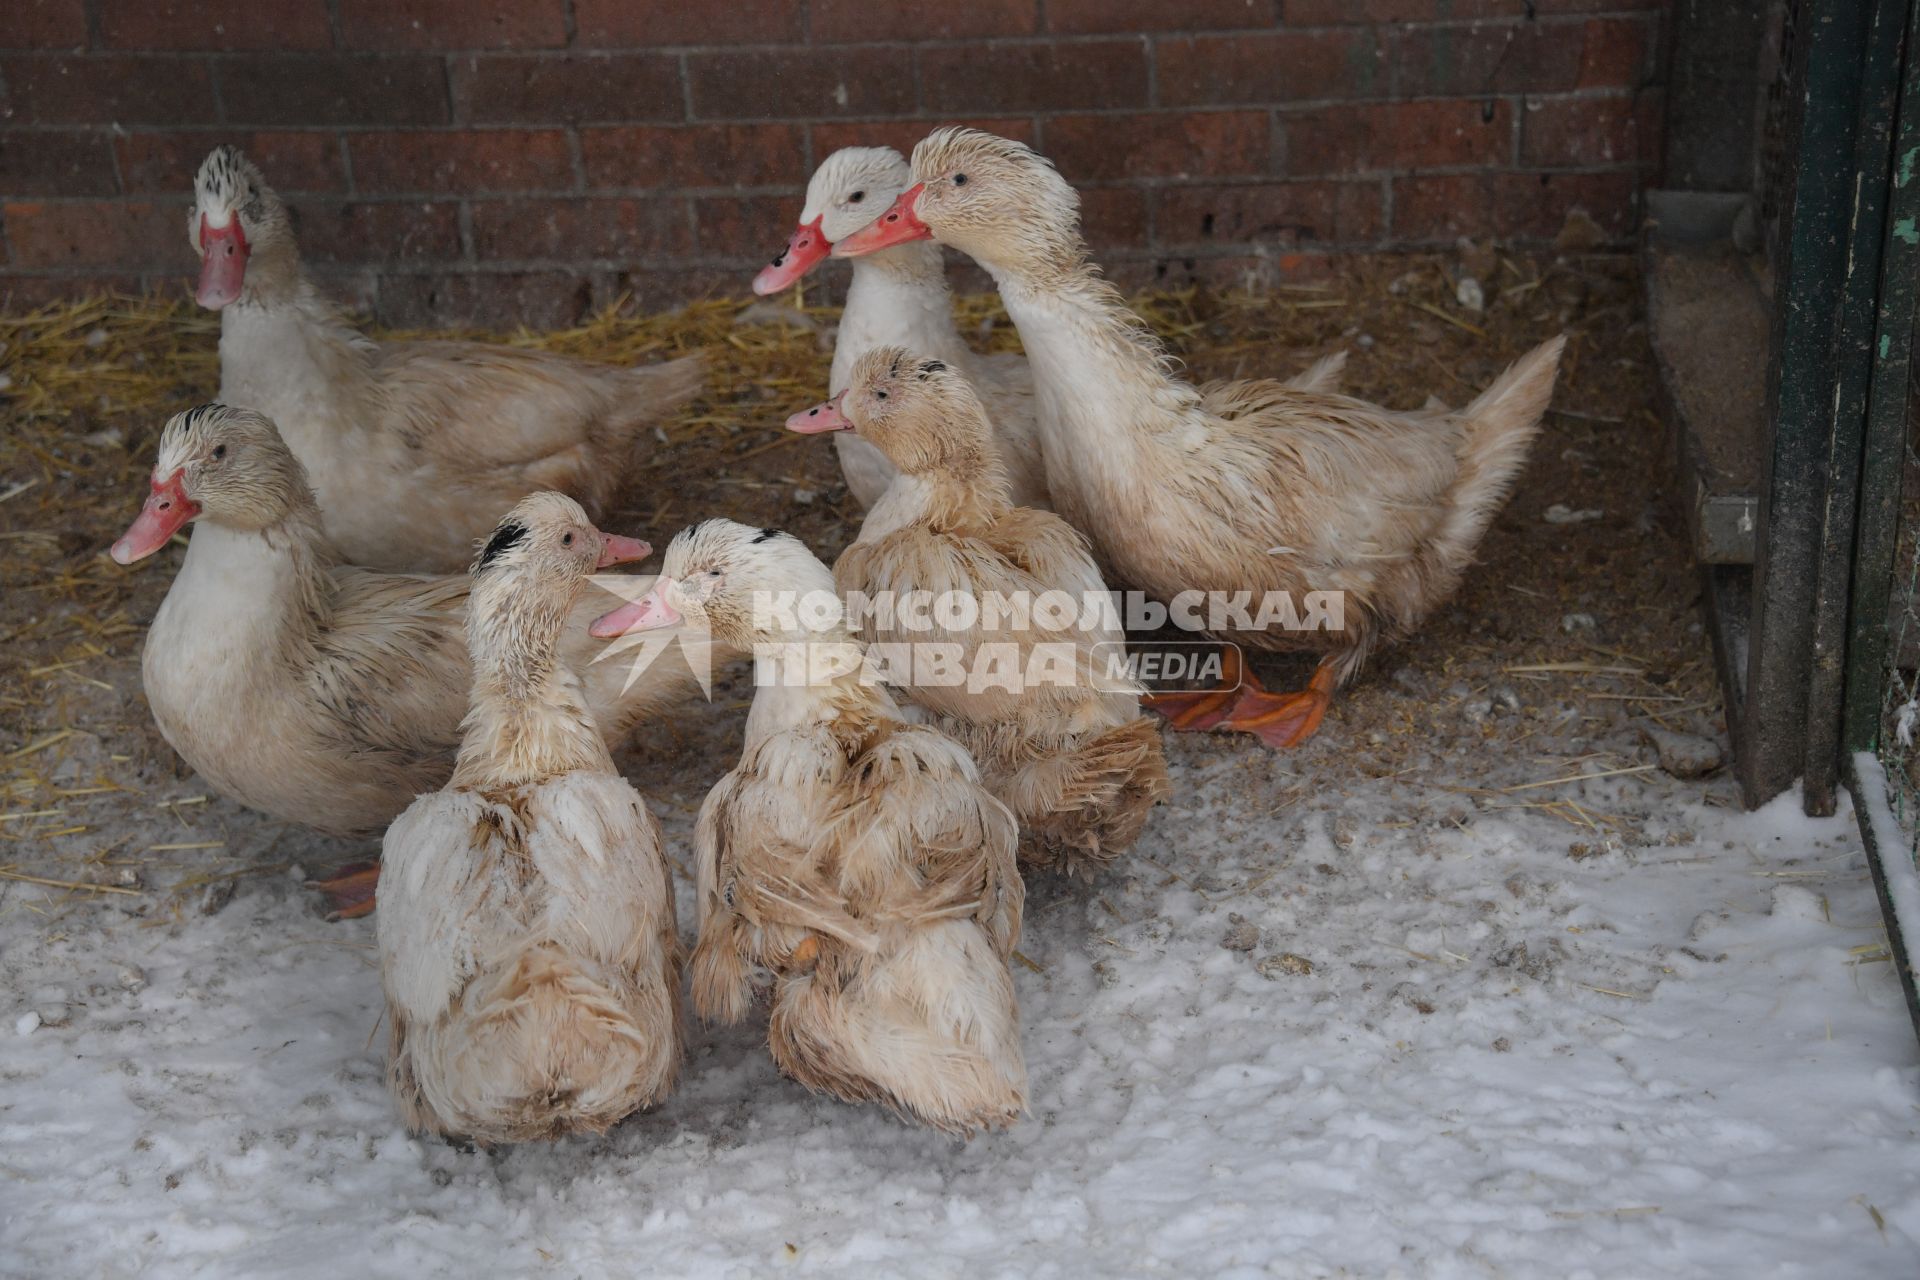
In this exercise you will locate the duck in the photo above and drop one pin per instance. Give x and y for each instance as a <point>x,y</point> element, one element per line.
<point>527,943</point>
<point>1066,748</point>
<point>1248,485</point>
<point>315,691</point>
<point>854,855</point>
<point>414,448</point>
<point>899,296</point>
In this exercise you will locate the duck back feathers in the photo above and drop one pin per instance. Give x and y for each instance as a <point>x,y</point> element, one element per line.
<point>523,935</point>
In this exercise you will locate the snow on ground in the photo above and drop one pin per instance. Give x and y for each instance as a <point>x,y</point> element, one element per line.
<point>1368,1028</point>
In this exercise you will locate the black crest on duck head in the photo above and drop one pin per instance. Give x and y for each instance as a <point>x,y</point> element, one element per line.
<point>510,534</point>
<point>767,534</point>
<point>930,368</point>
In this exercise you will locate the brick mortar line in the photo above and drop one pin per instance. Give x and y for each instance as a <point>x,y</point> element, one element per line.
<point>463,220</point>
<point>1359,177</point>
<point>744,263</point>
<point>1195,253</point>
<point>343,50</point>
<point>1520,97</point>
<point>576,159</point>
<point>346,161</point>
<point>153,280</point>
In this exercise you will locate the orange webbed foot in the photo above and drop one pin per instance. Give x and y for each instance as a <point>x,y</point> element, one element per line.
<point>1202,709</point>
<point>1191,712</point>
<point>349,891</point>
<point>1283,720</point>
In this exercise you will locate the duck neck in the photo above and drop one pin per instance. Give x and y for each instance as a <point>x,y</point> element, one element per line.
<point>528,719</point>
<point>267,588</point>
<point>964,495</point>
<point>275,276</point>
<point>807,680</point>
<point>288,351</point>
<point>1100,377</point>
<point>1101,382</point>
<point>898,297</point>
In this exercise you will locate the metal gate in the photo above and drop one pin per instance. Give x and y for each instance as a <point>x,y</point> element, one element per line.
<point>1801,237</point>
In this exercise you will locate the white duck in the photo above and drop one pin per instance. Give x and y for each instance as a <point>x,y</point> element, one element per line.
<point>1062,742</point>
<point>526,925</point>
<point>855,855</point>
<point>899,297</point>
<point>319,693</point>
<point>414,448</point>
<point>1253,487</point>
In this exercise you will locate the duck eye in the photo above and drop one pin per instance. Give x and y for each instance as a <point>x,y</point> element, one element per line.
<point>567,540</point>
<point>219,452</point>
<point>713,573</point>
<point>959,179</point>
<point>856,197</point>
<point>879,395</point>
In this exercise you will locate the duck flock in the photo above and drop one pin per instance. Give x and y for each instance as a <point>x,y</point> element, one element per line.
<point>335,652</point>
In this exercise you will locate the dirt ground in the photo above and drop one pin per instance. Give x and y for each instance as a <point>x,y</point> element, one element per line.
<point>1579,626</point>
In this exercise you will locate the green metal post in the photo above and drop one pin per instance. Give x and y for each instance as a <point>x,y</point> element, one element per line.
<point>1846,421</point>
<point>1884,450</point>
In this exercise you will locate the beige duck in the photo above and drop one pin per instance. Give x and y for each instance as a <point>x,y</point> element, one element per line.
<point>856,856</point>
<point>316,692</point>
<point>899,297</point>
<point>1069,753</point>
<point>413,448</point>
<point>526,927</point>
<point>1234,487</point>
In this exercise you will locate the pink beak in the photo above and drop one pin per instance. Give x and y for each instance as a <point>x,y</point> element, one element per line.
<point>167,510</point>
<point>615,549</point>
<point>826,416</point>
<point>223,263</point>
<point>898,225</point>
<point>807,248</point>
<point>649,613</point>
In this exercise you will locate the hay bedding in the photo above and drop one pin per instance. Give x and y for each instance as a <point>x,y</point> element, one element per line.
<point>1426,994</point>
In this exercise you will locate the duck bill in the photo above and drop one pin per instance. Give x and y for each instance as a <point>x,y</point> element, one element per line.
<point>805,250</point>
<point>223,262</point>
<point>649,613</point>
<point>615,549</point>
<point>166,512</point>
<point>898,225</point>
<point>826,416</point>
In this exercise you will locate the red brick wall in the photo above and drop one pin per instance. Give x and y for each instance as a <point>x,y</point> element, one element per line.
<point>523,160</point>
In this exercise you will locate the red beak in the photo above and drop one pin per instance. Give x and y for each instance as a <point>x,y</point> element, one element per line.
<point>826,416</point>
<point>807,248</point>
<point>223,263</point>
<point>898,225</point>
<point>168,508</point>
<point>650,612</point>
<point>615,549</point>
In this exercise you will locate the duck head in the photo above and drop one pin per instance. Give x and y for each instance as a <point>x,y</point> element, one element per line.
<point>530,571</point>
<point>720,578</point>
<point>221,463</point>
<point>996,200</point>
<point>918,411</point>
<point>237,222</point>
<point>849,188</point>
